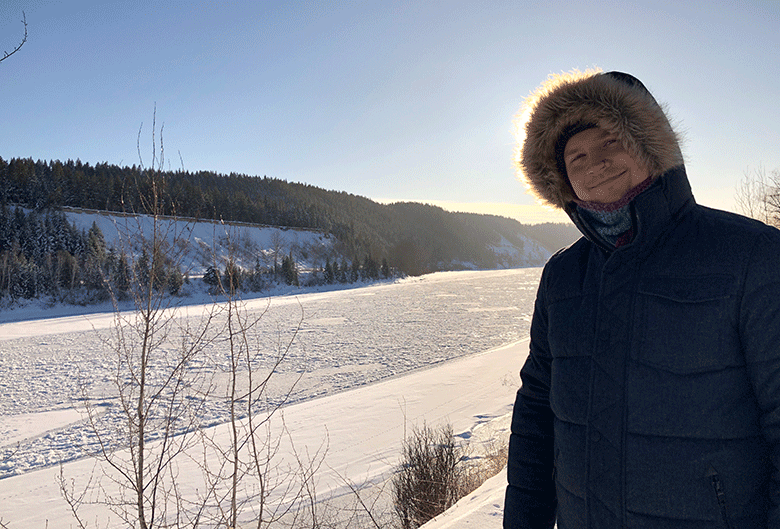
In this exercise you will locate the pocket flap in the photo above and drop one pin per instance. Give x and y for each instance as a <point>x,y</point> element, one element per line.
<point>693,289</point>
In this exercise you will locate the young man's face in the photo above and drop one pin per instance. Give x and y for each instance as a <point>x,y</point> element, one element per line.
<point>600,169</point>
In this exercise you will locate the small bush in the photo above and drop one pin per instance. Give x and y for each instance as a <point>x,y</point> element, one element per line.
<point>476,471</point>
<point>429,478</point>
<point>436,471</point>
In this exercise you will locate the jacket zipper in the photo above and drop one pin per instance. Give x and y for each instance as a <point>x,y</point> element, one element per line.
<point>718,486</point>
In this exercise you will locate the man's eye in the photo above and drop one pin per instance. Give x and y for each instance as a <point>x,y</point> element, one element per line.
<point>609,142</point>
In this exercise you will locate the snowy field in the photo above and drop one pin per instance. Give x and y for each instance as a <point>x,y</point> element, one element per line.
<point>371,361</point>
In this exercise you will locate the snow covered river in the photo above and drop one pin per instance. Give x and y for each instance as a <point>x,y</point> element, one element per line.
<point>344,339</point>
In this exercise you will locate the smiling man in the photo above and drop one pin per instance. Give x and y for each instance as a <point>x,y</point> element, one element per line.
<point>651,394</point>
<point>599,167</point>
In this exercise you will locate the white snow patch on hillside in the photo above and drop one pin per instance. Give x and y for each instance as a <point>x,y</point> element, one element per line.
<point>531,253</point>
<point>207,239</point>
<point>250,242</point>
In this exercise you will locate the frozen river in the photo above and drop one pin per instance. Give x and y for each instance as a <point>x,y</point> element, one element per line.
<point>344,339</point>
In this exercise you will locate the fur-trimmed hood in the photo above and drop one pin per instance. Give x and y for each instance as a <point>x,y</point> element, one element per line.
<point>612,101</point>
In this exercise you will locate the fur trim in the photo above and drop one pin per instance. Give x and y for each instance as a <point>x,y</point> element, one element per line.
<point>588,97</point>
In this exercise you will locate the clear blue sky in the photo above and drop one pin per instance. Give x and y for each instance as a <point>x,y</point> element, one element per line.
<point>385,99</point>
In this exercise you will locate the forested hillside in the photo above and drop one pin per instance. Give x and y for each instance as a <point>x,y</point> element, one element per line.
<point>413,238</point>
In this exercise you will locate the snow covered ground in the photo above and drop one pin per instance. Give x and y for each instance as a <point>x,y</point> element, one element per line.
<point>381,359</point>
<point>483,508</point>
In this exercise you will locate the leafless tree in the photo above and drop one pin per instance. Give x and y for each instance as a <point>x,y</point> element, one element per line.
<point>159,396</point>
<point>7,54</point>
<point>247,481</point>
<point>160,385</point>
<point>758,196</point>
<point>277,243</point>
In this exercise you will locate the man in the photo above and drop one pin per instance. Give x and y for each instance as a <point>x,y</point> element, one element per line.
<point>651,394</point>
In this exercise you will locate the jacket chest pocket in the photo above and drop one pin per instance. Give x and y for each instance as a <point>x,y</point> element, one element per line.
<point>684,322</point>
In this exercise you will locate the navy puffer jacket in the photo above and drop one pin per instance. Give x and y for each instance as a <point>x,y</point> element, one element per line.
<point>651,394</point>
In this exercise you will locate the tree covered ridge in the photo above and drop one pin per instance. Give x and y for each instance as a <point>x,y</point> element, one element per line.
<point>42,254</point>
<point>414,238</point>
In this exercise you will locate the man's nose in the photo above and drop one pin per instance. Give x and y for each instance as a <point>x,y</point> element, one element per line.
<point>597,166</point>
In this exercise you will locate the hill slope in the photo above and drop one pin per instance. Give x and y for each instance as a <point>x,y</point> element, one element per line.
<point>414,238</point>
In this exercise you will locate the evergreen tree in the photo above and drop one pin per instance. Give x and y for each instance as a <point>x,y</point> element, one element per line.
<point>212,277</point>
<point>96,243</point>
<point>174,280</point>
<point>354,274</point>
<point>143,273</point>
<point>95,260</point>
<point>370,268</point>
<point>255,281</point>
<point>48,275</point>
<point>328,274</point>
<point>289,270</point>
<point>232,277</point>
<point>120,276</point>
<point>343,274</point>
<point>6,229</point>
<point>159,269</point>
<point>67,270</point>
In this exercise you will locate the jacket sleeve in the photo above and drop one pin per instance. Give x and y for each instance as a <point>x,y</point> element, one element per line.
<point>760,337</point>
<point>531,501</point>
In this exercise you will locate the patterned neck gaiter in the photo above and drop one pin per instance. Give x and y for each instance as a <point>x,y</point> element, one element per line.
<point>613,221</point>
<point>610,225</point>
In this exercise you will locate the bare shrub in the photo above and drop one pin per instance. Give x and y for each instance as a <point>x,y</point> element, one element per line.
<point>436,471</point>
<point>476,471</point>
<point>429,476</point>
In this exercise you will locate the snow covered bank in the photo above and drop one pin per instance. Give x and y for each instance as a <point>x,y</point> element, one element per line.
<point>381,359</point>
<point>483,508</point>
<point>362,428</point>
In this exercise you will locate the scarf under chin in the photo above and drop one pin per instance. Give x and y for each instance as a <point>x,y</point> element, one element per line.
<point>613,221</point>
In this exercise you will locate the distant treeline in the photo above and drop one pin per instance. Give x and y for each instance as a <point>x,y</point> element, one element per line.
<point>414,238</point>
<point>42,254</point>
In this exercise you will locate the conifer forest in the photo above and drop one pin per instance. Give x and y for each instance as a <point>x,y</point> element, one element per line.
<point>42,254</point>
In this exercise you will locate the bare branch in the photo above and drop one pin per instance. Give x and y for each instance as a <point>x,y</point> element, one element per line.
<point>368,509</point>
<point>758,196</point>
<point>18,47</point>
<point>160,397</point>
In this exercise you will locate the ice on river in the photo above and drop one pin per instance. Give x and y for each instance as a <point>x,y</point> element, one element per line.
<point>339,341</point>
